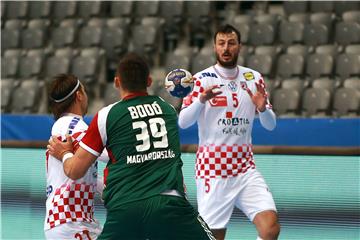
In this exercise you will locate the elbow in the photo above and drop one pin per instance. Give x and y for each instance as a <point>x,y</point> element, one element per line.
<point>181,124</point>
<point>184,125</point>
<point>73,175</point>
<point>268,120</point>
<point>271,128</point>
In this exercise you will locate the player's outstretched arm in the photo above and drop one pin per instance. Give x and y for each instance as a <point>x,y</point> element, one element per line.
<point>75,165</point>
<point>189,115</point>
<point>260,98</point>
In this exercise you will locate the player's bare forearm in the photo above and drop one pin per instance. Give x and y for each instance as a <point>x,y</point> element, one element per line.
<point>71,171</point>
<point>76,166</point>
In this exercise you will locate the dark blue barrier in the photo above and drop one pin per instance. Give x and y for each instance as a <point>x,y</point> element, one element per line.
<point>289,132</point>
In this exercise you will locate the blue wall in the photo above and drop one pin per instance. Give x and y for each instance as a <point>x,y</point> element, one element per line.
<point>289,132</point>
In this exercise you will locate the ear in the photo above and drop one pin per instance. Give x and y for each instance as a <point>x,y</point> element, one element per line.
<point>117,82</point>
<point>149,81</point>
<point>79,95</point>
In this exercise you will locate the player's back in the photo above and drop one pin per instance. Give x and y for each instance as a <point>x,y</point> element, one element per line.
<point>144,148</point>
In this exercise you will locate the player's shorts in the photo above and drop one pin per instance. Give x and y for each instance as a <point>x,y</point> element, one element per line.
<point>74,230</point>
<point>158,217</point>
<point>217,197</point>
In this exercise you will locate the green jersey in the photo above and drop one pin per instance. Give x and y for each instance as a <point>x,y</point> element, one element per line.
<point>141,136</point>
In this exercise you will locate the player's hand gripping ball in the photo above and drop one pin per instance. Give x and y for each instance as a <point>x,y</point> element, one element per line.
<point>179,83</point>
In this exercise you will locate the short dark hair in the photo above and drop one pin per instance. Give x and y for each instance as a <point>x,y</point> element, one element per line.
<point>59,88</point>
<point>134,72</point>
<point>227,29</point>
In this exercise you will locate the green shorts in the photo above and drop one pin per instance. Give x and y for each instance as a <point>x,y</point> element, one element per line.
<point>158,217</point>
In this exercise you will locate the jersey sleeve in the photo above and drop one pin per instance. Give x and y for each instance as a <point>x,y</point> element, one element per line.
<point>104,157</point>
<point>76,137</point>
<point>192,107</point>
<point>92,141</point>
<point>260,80</point>
<point>189,99</point>
<point>74,126</point>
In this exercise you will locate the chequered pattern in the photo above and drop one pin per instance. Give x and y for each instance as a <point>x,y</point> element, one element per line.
<point>72,203</point>
<point>76,137</point>
<point>223,161</point>
<point>195,93</point>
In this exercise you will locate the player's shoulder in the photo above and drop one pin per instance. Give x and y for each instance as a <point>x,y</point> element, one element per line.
<point>249,74</point>
<point>62,125</point>
<point>206,73</point>
<point>164,103</point>
<point>105,110</point>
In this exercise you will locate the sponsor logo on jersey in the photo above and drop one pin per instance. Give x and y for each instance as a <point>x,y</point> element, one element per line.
<point>249,76</point>
<point>72,124</point>
<point>218,101</point>
<point>244,85</point>
<point>234,125</point>
<point>233,86</point>
<point>140,158</point>
<point>235,131</point>
<point>233,121</point>
<point>49,190</point>
<point>208,74</point>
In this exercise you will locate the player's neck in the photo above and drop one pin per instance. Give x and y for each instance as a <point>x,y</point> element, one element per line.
<point>127,95</point>
<point>74,110</point>
<point>71,114</point>
<point>226,73</point>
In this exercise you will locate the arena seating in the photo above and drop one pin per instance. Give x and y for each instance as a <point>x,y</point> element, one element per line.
<point>308,52</point>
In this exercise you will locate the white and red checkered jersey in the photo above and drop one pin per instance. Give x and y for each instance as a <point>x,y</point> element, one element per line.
<point>69,200</point>
<point>225,122</point>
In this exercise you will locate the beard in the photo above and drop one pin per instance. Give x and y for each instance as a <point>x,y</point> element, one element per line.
<point>229,64</point>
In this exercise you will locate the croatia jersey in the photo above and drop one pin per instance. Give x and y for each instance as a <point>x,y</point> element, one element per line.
<point>225,123</point>
<point>69,200</point>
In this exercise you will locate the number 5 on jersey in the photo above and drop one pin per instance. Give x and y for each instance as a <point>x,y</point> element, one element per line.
<point>207,185</point>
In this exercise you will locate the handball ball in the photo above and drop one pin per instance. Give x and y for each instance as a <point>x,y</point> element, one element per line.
<point>179,83</point>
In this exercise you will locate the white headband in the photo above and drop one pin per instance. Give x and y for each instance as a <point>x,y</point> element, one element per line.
<point>67,96</point>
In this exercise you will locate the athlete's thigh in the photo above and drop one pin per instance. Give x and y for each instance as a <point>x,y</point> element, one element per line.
<point>255,196</point>
<point>74,230</point>
<point>215,198</point>
<point>174,218</point>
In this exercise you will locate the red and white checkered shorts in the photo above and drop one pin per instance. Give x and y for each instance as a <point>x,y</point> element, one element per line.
<point>72,203</point>
<point>223,161</point>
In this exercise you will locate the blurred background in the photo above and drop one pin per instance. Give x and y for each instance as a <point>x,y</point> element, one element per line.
<point>307,51</point>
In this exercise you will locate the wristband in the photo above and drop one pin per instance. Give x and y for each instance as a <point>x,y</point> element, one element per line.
<point>67,156</point>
